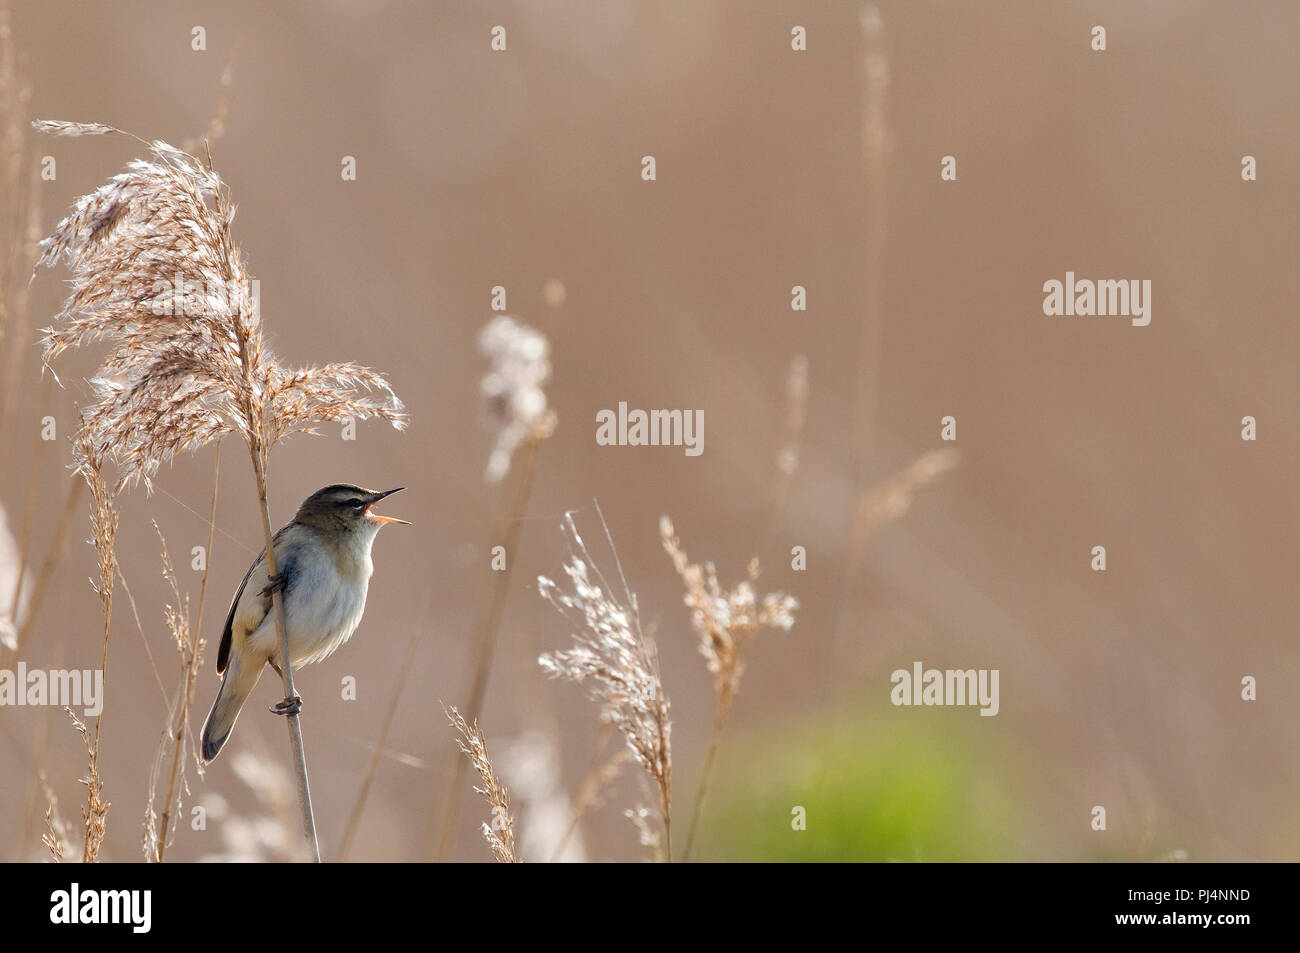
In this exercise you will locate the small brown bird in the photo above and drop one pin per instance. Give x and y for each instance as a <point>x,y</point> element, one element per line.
<point>322,558</point>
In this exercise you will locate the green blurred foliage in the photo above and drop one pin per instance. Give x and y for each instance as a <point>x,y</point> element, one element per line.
<point>882,785</point>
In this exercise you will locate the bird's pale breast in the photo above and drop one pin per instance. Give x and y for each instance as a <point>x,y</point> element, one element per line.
<point>324,601</point>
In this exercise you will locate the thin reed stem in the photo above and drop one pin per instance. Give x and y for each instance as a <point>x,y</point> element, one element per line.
<point>286,670</point>
<point>702,791</point>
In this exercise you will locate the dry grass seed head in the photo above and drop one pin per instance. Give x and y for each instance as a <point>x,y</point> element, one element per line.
<point>514,403</point>
<point>613,659</point>
<point>95,811</point>
<point>725,620</point>
<point>500,834</point>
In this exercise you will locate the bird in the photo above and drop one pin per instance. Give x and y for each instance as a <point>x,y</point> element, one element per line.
<point>323,569</point>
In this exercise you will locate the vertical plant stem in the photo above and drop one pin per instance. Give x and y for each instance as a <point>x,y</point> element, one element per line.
<point>286,667</point>
<point>94,835</point>
<point>254,415</point>
<point>718,724</point>
<point>666,809</point>
<point>485,643</point>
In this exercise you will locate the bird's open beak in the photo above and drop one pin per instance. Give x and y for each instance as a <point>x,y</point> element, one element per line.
<point>386,519</point>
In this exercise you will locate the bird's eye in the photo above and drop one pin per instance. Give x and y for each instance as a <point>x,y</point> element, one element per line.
<point>355,503</point>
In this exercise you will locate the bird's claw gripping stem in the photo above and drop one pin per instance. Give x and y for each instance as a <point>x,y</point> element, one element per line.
<point>288,706</point>
<point>275,584</point>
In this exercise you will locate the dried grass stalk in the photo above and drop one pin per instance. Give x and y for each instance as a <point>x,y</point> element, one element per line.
<point>500,834</point>
<point>189,649</point>
<point>612,657</point>
<point>95,810</point>
<point>725,621</point>
<point>55,835</point>
<point>105,519</point>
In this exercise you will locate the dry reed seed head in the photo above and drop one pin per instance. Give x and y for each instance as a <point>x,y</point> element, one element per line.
<point>500,834</point>
<point>56,127</point>
<point>612,659</point>
<point>56,835</point>
<point>51,839</point>
<point>725,620</point>
<point>157,275</point>
<point>894,497</point>
<point>95,811</point>
<point>514,403</point>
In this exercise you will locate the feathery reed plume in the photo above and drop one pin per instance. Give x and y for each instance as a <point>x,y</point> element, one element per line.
<point>725,622</point>
<point>514,404</point>
<point>615,661</point>
<point>189,649</point>
<point>500,834</point>
<point>513,399</point>
<point>156,273</point>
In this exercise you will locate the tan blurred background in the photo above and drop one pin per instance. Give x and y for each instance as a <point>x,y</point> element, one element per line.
<point>477,169</point>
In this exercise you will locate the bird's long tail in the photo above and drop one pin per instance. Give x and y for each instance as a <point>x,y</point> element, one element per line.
<point>237,684</point>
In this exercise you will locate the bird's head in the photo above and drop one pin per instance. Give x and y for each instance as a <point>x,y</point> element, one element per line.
<point>345,510</point>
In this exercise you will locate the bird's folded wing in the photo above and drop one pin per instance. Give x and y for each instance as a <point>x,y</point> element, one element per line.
<point>244,611</point>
